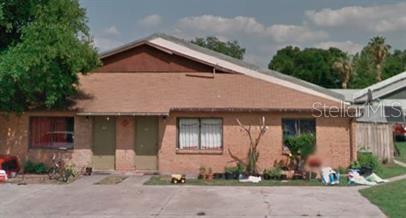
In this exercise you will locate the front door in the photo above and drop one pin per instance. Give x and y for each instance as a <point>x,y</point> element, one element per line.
<point>104,142</point>
<point>146,143</point>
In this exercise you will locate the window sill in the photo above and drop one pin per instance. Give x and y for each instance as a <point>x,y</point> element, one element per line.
<point>184,151</point>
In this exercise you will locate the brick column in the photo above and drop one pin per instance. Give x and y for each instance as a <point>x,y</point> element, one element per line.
<point>125,135</point>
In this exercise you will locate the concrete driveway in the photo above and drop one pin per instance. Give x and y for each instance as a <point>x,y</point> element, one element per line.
<point>131,199</point>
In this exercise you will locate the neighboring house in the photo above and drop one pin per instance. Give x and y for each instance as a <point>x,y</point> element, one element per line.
<point>383,105</point>
<point>164,104</point>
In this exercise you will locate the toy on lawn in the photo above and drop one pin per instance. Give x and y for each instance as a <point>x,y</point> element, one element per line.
<point>178,178</point>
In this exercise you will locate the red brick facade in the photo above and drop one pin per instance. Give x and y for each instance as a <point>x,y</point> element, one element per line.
<point>333,142</point>
<point>144,79</point>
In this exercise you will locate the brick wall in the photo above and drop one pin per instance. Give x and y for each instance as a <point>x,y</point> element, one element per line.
<point>125,139</point>
<point>333,142</point>
<point>14,140</point>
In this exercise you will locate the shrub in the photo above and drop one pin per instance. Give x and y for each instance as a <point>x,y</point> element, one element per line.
<point>341,170</point>
<point>301,147</point>
<point>274,173</point>
<point>369,160</point>
<point>36,168</point>
<point>238,169</point>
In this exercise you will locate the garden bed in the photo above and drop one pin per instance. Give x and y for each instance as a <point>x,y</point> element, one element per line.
<point>166,180</point>
<point>35,179</point>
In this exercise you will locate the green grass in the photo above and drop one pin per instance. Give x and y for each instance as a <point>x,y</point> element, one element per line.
<point>390,197</point>
<point>391,170</point>
<point>162,180</point>
<point>402,149</point>
<point>111,180</point>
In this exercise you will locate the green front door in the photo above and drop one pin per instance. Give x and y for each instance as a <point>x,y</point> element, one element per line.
<point>146,143</point>
<point>104,143</point>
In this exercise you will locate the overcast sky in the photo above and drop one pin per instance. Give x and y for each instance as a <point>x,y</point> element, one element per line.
<point>262,27</point>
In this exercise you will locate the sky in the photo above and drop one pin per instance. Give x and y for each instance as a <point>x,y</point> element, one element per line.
<point>261,26</point>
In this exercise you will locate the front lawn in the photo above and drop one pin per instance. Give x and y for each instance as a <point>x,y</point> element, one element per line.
<point>391,197</point>
<point>391,170</point>
<point>165,180</point>
<point>401,146</point>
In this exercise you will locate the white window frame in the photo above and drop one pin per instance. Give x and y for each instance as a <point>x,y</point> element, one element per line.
<point>199,139</point>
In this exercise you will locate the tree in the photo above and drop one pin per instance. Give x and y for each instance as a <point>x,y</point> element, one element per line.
<point>311,64</point>
<point>394,63</point>
<point>230,48</point>
<point>378,49</point>
<point>344,67</point>
<point>45,44</point>
<point>363,71</point>
<point>250,164</point>
<point>301,147</point>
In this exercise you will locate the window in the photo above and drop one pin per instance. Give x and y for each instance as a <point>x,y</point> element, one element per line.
<point>51,132</point>
<point>200,134</point>
<point>292,127</point>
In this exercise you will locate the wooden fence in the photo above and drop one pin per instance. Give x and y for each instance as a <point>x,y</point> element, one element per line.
<point>377,138</point>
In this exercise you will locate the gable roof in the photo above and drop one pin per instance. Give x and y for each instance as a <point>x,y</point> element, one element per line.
<point>347,93</point>
<point>173,45</point>
<point>382,88</point>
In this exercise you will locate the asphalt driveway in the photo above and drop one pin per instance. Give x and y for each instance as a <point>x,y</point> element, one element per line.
<point>131,199</point>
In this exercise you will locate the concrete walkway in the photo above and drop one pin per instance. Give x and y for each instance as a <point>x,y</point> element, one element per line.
<point>399,163</point>
<point>130,199</point>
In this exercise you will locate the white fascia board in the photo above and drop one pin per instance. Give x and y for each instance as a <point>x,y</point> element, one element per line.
<point>236,68</point>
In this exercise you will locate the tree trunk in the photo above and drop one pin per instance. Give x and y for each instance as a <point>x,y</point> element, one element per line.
<point>344,85</point>
<point>378,72</point>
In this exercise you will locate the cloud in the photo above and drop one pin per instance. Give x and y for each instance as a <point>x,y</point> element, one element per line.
<point>293,33</point>
<point>111,31</point>
<point>249,26</point>
<point>382,18</point>
<point>346,46</point>
<point>103,43</point>
<point>152,20</point>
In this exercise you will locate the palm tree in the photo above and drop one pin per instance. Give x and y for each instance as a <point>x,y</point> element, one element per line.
<point>378,49</point>
<point>344,67</point>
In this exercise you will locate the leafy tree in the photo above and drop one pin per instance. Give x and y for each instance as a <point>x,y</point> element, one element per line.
<point>301,147</point>
<point>344,67</point>
<point>394,63</point>
<point>45,44</point>
<point>230,48</point>
<point>363,71</point>
<point>379,50</point>
<point>311,64</point>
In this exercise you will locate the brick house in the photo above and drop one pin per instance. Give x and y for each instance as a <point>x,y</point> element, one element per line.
<point>166,105</point>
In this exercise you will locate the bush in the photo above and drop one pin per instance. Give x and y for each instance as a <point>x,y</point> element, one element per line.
<point>273,173</point>
<point>238,169</point>
<point>301,147</point>
<point>341,170</point>
<point>36,168</point>
<point>367,159</point>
